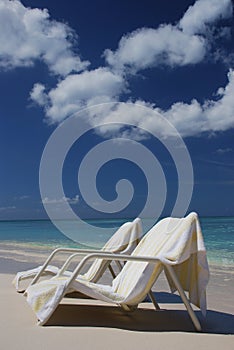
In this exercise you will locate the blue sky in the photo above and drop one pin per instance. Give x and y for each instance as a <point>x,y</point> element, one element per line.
<point>173,57</point>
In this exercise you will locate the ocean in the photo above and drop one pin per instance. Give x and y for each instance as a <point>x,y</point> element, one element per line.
<point>218,235</point>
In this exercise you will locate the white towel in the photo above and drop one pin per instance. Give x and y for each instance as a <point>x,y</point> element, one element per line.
<point>124,241</point>
<point>176,242</point>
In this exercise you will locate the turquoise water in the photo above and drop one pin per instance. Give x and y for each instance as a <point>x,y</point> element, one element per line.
<point>44,233</point>
<point>218,234</point>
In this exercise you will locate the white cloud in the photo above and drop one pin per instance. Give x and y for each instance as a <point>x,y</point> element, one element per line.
<point>27,35</point>
<point>173,45</point>
<point>7,208</point>
<point>211,116</point>
<point>77,91</point>
<point>190,119</point>
<point>220,113</point>
<point>204,12</point>
<point>74,200</point>
<point>23,197</point>
<point>221,151</point>
<point>147,47</point>
<point>38,94</point>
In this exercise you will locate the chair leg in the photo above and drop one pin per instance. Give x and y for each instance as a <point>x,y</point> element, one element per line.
<point>112,271</point>
<point>184,298</point>
<point>152,298</point>
<point>129,308</point>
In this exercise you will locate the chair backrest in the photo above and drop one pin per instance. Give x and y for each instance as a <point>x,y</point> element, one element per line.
<point>137,278</point>
<point>123,241</point>
<point>126,238</point>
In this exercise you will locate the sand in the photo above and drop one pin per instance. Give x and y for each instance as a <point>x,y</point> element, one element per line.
<point>88,324</point>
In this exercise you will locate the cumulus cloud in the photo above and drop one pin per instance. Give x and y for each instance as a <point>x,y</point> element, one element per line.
<point>77,91</point>
<point>147,47</point>
<point>189,119</point>
<point>203,13</point>
<point>211,116</point>
<point>27,35</point>
<point>220,113</point>
<point>38,94</point>
<point>174,45</point>
<point>184,43</point>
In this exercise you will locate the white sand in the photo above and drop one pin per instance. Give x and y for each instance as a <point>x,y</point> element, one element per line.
<point>87,324</point>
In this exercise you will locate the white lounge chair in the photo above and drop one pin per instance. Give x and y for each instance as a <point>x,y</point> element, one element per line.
<point>123,241</point>
<point>175,245</point>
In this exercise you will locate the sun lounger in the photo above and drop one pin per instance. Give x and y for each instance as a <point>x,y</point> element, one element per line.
<point>174,245</point>
<point>124,240</point>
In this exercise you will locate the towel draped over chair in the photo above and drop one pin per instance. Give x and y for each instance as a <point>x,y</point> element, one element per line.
<point>171,243</point>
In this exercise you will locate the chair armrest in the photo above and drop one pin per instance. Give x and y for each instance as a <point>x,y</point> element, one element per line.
<point>70,258</point>
<point>108,256</point>
<point>60,250</point>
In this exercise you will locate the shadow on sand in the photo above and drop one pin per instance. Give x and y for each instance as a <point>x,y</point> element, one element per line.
<point>143,319</point>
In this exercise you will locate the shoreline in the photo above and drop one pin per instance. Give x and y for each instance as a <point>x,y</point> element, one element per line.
<point>14,260</point>
<point>37,253</point>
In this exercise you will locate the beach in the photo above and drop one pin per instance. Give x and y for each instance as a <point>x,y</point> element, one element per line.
<point>87,324</point>
<point>117,135</point>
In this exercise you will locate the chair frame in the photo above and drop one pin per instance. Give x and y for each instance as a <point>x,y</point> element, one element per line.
<point>117,257</point>
<point>76,252</point>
